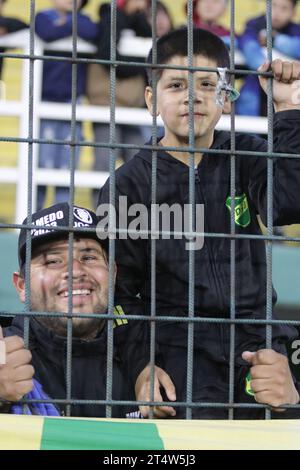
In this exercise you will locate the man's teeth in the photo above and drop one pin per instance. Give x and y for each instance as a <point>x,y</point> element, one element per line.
<point>77,292</point>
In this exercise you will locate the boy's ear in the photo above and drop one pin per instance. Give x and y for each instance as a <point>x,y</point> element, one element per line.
<point>19,283</point>
<point>149,100</point>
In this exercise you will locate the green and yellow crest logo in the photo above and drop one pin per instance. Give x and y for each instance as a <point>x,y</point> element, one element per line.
<point>248,388</point>
<point>241,210</point>
<point>120,317</point>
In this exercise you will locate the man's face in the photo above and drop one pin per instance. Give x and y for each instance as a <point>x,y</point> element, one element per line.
<point>49,283</point>
<point>211,10</point>
<point>65,6</point>
<point>282,13</point>
<point>173,102</point>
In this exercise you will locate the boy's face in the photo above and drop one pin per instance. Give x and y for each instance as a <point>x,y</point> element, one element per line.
<point>211,10</point>
<point>65,6</point>
<point>282,13</point>
<point>173,102</point>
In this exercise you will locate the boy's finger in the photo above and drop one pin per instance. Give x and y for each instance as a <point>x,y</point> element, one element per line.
<point>296,70</point>
<point>287,72</point>
<point>249,356</point>
<point>277,67</point>
<point>2,349</point>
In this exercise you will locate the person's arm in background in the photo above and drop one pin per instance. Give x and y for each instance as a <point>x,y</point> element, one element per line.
<point>250,46</point>
<point>11,25</point>
<point>49,30</point>
<point>86,28</point>
<point>288,45</point>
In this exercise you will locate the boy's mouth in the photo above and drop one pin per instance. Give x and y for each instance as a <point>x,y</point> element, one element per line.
<point>194,114</point>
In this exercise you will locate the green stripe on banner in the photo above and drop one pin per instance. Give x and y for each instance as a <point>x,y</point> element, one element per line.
<point>72,434</point>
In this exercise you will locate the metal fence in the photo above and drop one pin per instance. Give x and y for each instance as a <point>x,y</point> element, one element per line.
<point>27,137</point>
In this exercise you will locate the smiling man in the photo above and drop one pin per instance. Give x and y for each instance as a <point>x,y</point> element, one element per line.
<point>41,370</point>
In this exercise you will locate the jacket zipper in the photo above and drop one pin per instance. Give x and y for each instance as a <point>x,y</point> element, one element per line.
<point>213,264</point>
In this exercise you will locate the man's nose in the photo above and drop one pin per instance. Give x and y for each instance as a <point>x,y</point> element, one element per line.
<point>77,270</point>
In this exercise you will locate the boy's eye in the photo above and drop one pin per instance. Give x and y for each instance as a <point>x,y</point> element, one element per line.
<point>208,85</point>
<point>176,85</point>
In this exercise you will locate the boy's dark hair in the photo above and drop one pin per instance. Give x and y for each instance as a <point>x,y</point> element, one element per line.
<point>175,43</point>
<point>294,2</point>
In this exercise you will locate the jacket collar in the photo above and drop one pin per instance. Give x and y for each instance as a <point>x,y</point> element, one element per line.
<point>221,138</point>
<point>42,337</point>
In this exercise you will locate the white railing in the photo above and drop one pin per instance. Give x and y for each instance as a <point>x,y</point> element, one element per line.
<point>59,111</point>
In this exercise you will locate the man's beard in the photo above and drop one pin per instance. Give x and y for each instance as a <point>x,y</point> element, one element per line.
<point>82,328</point>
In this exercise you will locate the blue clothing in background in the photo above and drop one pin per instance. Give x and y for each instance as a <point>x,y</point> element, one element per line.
<point>57,75</point>
<point>41,409</point>
<point>50,25</point>
<point>285,41</point>
<point>55,156</point>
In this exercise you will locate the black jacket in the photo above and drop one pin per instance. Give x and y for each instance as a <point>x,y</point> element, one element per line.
<point>212,262</point>
<point>88,369</point>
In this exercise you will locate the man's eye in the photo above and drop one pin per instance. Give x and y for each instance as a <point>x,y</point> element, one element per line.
<point>52,262</point>
<point>90,258</point>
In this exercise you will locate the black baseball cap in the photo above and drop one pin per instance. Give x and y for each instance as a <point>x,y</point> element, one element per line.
<point>57,216</point>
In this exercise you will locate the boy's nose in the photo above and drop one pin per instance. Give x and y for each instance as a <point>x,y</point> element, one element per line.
<point>196,96</point>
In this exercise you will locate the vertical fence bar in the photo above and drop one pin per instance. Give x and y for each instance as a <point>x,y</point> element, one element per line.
<point>112,192</point>
<point>29,171</point>
<point>191,293</point>
<point>153,202</point>
<point>71,205</point>
<point>269,292</point>
<point>232,219</point>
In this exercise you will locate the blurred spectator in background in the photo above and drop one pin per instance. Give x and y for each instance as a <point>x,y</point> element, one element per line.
<point>8,25</point>
<point>51,25</point>
<point>286,40</point>
<point>164,22</point>
<point>207,14</point>
<point>130,85</point>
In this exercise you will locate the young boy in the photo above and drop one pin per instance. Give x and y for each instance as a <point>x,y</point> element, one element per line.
<point>51,25</point>
<point>272,382</point>
<point>286,40</point>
